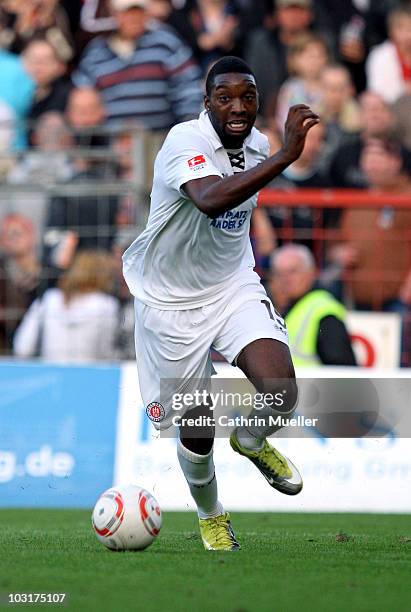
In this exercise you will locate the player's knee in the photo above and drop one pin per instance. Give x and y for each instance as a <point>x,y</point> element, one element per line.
<point>290,396</point>
<point>197,430</point>
<point>285,392</point>
<point>200,446</point>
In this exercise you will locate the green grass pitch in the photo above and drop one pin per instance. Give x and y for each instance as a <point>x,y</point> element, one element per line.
<point>288,562</point>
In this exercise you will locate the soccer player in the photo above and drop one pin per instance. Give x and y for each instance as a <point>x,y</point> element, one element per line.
<point>191,272</point>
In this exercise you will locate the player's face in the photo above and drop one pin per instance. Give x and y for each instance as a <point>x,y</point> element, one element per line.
<point>233,105</point>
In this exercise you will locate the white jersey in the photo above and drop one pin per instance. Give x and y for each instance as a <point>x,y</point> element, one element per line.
<point>184,259</point>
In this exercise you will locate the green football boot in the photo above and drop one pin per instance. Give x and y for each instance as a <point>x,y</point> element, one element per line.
<point>217,533</point>
<point>279,471</point>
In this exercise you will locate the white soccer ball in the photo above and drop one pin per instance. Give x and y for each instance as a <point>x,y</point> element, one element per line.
<point>126,518</point>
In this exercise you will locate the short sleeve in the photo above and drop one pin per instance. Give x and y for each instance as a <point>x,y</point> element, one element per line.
<point>265,147</point>
<point>187,156</point>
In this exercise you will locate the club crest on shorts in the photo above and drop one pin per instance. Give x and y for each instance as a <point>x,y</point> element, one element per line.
<point>155,412</point>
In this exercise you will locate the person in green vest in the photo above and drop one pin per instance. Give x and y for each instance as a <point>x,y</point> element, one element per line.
<point>314,318</point>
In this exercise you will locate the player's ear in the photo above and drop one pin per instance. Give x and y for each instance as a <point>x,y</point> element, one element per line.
<point>206,102</point>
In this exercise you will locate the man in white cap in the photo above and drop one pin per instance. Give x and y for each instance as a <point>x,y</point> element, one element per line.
<point>141,70</point>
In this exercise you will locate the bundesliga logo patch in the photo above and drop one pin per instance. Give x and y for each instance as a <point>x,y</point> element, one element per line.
<point>155,412</point>
<point>196,163</point>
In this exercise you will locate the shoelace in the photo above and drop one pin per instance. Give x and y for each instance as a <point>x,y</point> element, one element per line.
<point>220,531</point>
<point>273,460</point>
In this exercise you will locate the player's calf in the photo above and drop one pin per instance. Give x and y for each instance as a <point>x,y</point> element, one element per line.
<point>197,430</point>
<point>195,455</point>
<point>267,364</point>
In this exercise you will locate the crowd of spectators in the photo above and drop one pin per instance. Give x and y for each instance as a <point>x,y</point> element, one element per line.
<point>78,80</point>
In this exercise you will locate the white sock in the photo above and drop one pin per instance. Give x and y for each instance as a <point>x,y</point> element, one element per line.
<point>200,475</point>
<point>248,440</point>
<point>252,436</point>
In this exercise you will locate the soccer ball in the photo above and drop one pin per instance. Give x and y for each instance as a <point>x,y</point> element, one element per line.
<point>126,518</point>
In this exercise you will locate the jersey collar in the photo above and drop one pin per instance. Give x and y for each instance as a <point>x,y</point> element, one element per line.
<point>251,142</point>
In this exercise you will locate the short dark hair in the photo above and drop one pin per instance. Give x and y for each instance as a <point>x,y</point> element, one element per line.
<point>225,65</point>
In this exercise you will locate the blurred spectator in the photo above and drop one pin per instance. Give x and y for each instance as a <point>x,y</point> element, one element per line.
<point>7,125</point>
<point>19,274</point>
<point>183,15</point>
<point>8,14</point>
<point>7,139</point>
<point>264,239</point>
<point>340,112</point>
<point>266,50</point>
<point>307,58</point>
<point>389,64</point>
<point>350,19</point>
<point>133,207</point>
<point>86,116</point>
<point>73,10</point>
<point>190,21</point>
<point>314,319</point>
<point>377,120</point>
<point>47,69</point>
<point>48,161</point>
<point>130,221</point>
<point>376,249</point>
<point>86,220</point>
<point>355,26</point>
<point>402,113</point>
<point>143,70</point>
<point>85,109</point>
<point>77,321</point>
<point>339,108</point>
<point>161,10</point>
<point>16,90</point>
<point>296,223</point>
<point>22,19</point>
<point>83,221</point>
<point>45,164</point>
<point>214,29</point>
<point>95,17</point>
<point>255,13</point>
<point>122,145</point>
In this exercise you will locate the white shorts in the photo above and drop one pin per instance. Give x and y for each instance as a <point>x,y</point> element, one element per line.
<point>173,346</point>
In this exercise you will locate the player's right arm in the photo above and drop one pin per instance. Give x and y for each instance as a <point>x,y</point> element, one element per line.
<point>214,195</point>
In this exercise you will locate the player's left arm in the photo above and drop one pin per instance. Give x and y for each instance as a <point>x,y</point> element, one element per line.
<point>214,195</point>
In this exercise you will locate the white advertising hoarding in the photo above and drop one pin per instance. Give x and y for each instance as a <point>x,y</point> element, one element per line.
<point>376,338</point>
<point>371,475</point>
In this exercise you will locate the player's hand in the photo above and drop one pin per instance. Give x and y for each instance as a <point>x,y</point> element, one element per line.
<point>299,121</point>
